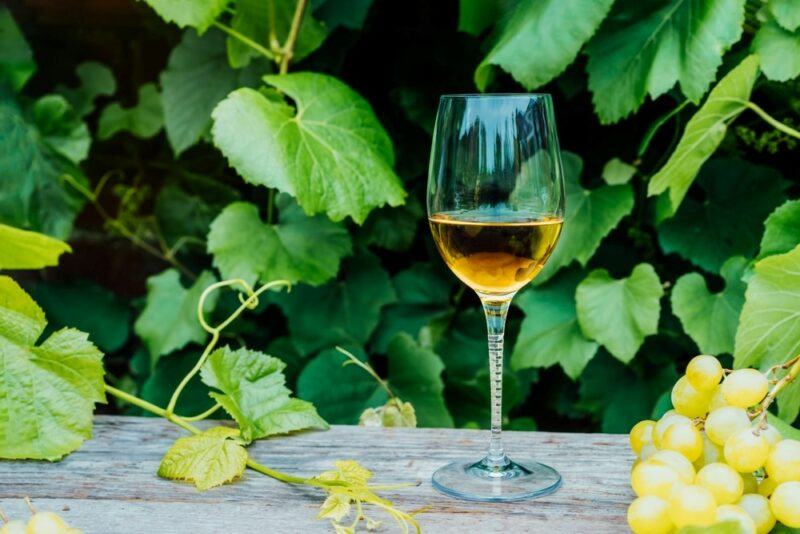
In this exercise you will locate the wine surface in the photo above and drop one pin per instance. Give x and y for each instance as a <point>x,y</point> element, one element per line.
<point>493,255</point>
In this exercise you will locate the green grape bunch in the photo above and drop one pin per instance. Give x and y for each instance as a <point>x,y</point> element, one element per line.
<point>714,459</point>
<point>39,523</point>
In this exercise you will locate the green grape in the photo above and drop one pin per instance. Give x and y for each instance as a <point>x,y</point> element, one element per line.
<point>745,451</point>
<point>734,512</point>
<point>647,451</point>
<point>722,481</point>
<point>649,478</point>
<point>785,503</point>
<point>46,523</point>
<point>772,434</point>
<point>758,508</point>
<point>712,453</point>
<point>767,486</point>
<point>677,462</point>
<point>649,515</point>
<point>685,439</point>
<point>744,387</point>
<point>692,505</point>
<point>18,527</point>
<point>723,422</point>
<point>717,400</point>
<point>666,420</point>
<point>704,372</point>
<point>750,483</point>
<point>783,461</point>
<point>641,434</point>
<point>689,401</point>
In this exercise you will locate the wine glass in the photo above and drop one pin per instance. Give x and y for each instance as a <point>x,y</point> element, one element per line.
<point>495,208</point>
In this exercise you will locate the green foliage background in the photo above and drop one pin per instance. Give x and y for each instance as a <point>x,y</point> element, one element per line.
<point>170,153</point>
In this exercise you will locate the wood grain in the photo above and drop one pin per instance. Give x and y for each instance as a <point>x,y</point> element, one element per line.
<point>110,485</point>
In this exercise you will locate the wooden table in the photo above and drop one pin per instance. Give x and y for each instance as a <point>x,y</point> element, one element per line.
<point>110,485</point>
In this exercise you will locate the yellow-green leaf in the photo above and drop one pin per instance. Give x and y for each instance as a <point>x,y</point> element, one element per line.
<point>21,249</point>
<point>208,459</point>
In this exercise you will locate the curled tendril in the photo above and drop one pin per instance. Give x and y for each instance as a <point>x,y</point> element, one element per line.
<point>249,303</point>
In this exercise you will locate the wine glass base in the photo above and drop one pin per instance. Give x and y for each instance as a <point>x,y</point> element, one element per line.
<point>480,481</point>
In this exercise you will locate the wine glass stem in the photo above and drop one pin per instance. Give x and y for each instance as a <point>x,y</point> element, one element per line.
<point>496,310</point>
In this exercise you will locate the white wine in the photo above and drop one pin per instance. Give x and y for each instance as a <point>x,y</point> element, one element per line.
<point>494,257</point>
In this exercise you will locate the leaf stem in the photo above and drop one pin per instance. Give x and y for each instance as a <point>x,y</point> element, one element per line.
<point>368,368</point>
<point>150,407</point>
<point>269,54</point>
<point>778,125</point>
<point>204,415</point>
<point>651,132</point>
<point>291,39</point>
<point>794,370</point>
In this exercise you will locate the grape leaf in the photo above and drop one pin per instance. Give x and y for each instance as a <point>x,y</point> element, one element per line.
<point>350,14</point>
<point>474,16</point>
<point>392,228</point>
<point>354,389</point>
<point>298,249</point>
<point>423,296</point>
<point>781,230</point>
<point>469,398</point>
<point>252,19</point>
<point>646,47</point>
<point>778,51</point>
<point>617,172</point>
<point>253,391</point>
<point>620,313</point>
<point>331,153</point>
<point>211,458</point>
<point>705,131</point>
<point>169,319</point>
<point>738,196</point>
<point>96,80</point>
<point>550,333</point>
<point>711,319</point>
<point>536,41</point>
<point>89,308</point>
<point>16,58</point>
<point>618,395</point>
<point>33,174</point>
<point>49,390</point>
<point>196,79</point>
<point>60,127</point>
<point>20,249</point>
<point>590,215</point>
<point>415,377</point>
<point>144,120</point>
<point>769,327</point>
<point>199,14</point>
<point>187,210</point>
<point>786,12</point>
<point>462,346</point>
<point>349,308</point>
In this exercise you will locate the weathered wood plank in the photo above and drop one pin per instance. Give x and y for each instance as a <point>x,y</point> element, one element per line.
<point>110,485</point>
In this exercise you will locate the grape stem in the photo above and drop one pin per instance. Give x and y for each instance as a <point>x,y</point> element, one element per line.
<point>794,370</point>
<point>3,516</point>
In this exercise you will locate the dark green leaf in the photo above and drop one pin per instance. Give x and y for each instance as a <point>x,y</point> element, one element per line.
<point>550,333</point>
<point>16,58</point>
<point>196,79</point>
<point>711,319</point>
<point>781,230</point>
<point>166,376</point>
<point>60,128</point>
<point>415,377</point>
<point>536,41</point>
<point>738,196</point>
<point>94,80</point>
<point>169,319</point>
<point>298,249</point>
<point>347,13</point>
<point>143,120</point>
<point>474,16</point>
<point>591,215</point>
<point>392,228</point>
<point>340,393</point>
<point>646,47</point>
<point>349,308</point>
